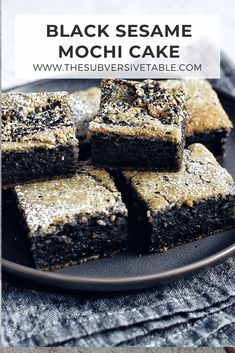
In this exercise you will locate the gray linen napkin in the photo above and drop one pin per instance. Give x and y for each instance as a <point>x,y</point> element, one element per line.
<point>199,311</point>
<point>112,350</point>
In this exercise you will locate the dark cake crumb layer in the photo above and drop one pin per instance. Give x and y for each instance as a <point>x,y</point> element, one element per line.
<point>38,164</point>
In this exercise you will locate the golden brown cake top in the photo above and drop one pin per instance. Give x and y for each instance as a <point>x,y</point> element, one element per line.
<point>200,178</point>
<point>85,105</point>
<point>47,205</point>
<point>205,110</point>
<point>143,109</point>
<point>32,120</point>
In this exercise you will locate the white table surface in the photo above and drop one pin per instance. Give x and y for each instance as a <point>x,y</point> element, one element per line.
<point>225,8</point>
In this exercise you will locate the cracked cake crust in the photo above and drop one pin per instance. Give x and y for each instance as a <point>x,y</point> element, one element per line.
<point>200,177</point>
<point>207,122</point>
<point>143,109</point>
<point>32,120</point>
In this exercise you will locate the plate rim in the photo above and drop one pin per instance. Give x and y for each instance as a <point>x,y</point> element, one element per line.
<point>100,284</point>
<point>115,283</point>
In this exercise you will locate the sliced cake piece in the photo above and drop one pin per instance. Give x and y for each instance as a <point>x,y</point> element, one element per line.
<point>85,105</point>
<point>140,125</point>
<point>38,137</point>
<point>207,122</point>
<point>169,209</point>
<point>71,220</point>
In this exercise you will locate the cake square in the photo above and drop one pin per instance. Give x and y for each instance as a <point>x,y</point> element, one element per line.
<point>71,220</point>
<point>169,209</point>
<point>207,122</point>
<point>140,125</point>
<point>38,137</point>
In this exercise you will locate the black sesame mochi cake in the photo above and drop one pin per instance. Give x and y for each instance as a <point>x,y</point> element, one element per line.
<point>38,137</point>
<point>85,106</point>
<point>140,125</point>
<point>71,220</point>
<point>207,121</point>
<point>169,209</point>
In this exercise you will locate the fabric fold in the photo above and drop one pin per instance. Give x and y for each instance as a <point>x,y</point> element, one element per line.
<point>53,318</point>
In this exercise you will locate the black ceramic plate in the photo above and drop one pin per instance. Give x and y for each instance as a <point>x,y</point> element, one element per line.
<point>125,271</point>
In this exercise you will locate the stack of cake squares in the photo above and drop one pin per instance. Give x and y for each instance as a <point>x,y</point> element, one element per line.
<point>152,148</point>
<point>173,194</point>
<point>71,212</point>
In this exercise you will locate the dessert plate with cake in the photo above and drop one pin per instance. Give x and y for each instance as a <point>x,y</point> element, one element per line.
<point>115,184</point>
